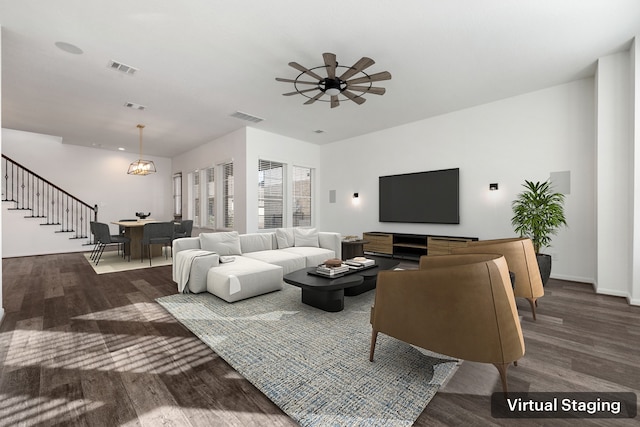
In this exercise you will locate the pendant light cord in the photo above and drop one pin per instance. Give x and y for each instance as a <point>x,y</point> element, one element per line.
<point>140,127</point>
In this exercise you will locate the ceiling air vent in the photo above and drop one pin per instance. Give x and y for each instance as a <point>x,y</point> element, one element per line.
<point>135,106</point>
<point>123,68</point>
<point>248,117</point>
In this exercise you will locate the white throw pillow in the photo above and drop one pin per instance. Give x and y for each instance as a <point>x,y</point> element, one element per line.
<point>306,237</point>
<point>284,237</point>
<point>226,243</point>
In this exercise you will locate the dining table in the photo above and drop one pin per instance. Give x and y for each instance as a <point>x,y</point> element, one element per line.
<point>133,230</point>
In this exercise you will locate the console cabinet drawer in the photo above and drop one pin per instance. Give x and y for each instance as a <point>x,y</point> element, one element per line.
<point>443,245</point>
<point>378,242</point>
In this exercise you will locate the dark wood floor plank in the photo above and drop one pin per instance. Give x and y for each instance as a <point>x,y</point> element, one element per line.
<point>78,348</point>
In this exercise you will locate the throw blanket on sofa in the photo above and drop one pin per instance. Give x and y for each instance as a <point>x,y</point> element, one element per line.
<point>182,266</point>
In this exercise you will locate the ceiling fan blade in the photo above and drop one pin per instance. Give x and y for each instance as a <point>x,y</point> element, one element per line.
<point>314,99</point>
<point>330,62</point>
<point>362,64</point>
<point>368,89</point>
<point>384,75</point>
<point>334,101</point>
<point>305,70</point>
<point>299,91</point>
<point>352,96</point>
<point>280,79</point>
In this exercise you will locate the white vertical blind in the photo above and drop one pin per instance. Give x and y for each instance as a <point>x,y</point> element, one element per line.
<point>270,194</point>
<point>177,194</point>
<point>227,194</point>
<point>211,192</point>
<point>195,194</point>
<point>301,197</point>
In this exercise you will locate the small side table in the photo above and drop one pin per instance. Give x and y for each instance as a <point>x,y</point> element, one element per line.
<point>353,248</point>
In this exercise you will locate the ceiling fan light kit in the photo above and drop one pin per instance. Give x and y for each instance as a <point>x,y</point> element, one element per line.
<point>333,85</point>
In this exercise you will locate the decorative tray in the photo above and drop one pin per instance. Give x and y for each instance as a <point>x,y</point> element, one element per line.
<point>346,273</point>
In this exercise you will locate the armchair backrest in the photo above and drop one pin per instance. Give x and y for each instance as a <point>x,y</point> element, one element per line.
<point>458,305</point>
<point>521,259</point>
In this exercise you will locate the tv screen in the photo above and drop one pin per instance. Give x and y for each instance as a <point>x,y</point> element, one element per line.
<point>424,197</point>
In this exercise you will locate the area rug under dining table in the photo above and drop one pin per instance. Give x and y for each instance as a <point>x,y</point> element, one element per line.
<point>313,364</point>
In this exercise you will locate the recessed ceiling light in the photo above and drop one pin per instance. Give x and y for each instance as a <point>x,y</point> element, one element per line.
<point>69,48</point>
<point>319,131</point>
<point>121,148</point>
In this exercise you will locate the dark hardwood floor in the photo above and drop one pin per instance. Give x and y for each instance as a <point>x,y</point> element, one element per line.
<point>78,348</point>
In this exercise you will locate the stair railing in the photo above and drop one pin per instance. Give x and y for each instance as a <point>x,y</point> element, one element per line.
<point>55,206</point>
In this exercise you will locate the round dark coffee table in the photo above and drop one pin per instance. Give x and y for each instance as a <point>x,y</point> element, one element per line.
<point>328,293</point>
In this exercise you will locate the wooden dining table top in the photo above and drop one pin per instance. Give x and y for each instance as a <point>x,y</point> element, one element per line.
<point>136,223</point>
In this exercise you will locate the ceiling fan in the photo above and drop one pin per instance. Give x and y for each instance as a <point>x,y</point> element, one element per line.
<point>353,79</point>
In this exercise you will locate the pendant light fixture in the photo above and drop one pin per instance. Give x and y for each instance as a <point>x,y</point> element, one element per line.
<point>140,166</point>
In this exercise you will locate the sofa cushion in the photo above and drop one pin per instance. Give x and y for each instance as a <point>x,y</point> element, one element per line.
<point>254,242</point>
<point>284,237</point>
<point>313,256</point>
<point>305,237</point>
<point>289,261</point>
<point>243,278</point>
<point>226,243</point>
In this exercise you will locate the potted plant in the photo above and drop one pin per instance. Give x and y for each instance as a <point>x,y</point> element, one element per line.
<point>538,212</point>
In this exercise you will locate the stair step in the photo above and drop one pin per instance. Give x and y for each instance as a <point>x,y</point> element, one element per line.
<point>50,223</point>
<point>34,216</point>
<point>66,231</point>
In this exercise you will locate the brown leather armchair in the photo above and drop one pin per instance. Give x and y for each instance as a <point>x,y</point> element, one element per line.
<point>457,305</point>
<point>521,259</point>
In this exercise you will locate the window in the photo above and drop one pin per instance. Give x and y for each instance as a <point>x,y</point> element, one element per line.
<point>270,194</point>
<point>227,194</point>
<point>195,198</point>
<point>301,196</point>
<point>177,195</point>
<point>211,205</point>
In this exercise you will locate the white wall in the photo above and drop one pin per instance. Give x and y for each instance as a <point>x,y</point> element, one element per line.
<point>614,175</point>
<point>635,108</point>
<point>524,137</point>
<point>230,147</point>
<point>95,176</point>
<point>269,146</point>
<point>1,216</point>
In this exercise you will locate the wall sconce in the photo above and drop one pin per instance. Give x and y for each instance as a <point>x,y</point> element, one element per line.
<point>356,198</point>
<point>493,187</point>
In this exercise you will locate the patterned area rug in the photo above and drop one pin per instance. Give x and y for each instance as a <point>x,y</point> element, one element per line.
<point>313,364</point>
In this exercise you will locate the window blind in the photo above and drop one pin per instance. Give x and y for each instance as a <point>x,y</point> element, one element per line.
<point>270,194</point>
<point>227,194</point>
<point>301,196</point>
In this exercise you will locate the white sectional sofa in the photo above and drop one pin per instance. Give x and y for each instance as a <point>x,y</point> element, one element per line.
<point>259,260</point>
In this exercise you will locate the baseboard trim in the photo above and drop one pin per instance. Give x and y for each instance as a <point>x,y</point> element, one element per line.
<point>589,281</point>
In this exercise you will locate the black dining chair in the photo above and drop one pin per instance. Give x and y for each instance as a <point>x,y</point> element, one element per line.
<point>183,228</point>
<point>104,238</point>
<point>155,233</point>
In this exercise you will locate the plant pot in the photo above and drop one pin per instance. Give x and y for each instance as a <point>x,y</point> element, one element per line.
<point>544,264</point>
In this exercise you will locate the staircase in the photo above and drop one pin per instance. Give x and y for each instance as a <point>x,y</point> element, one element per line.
<point>41,199</point>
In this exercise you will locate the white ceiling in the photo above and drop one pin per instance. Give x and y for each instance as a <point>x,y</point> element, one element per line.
<point>200,61</point>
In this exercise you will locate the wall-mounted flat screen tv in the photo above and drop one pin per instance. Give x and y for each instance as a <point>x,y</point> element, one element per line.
<point>421,197</point>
